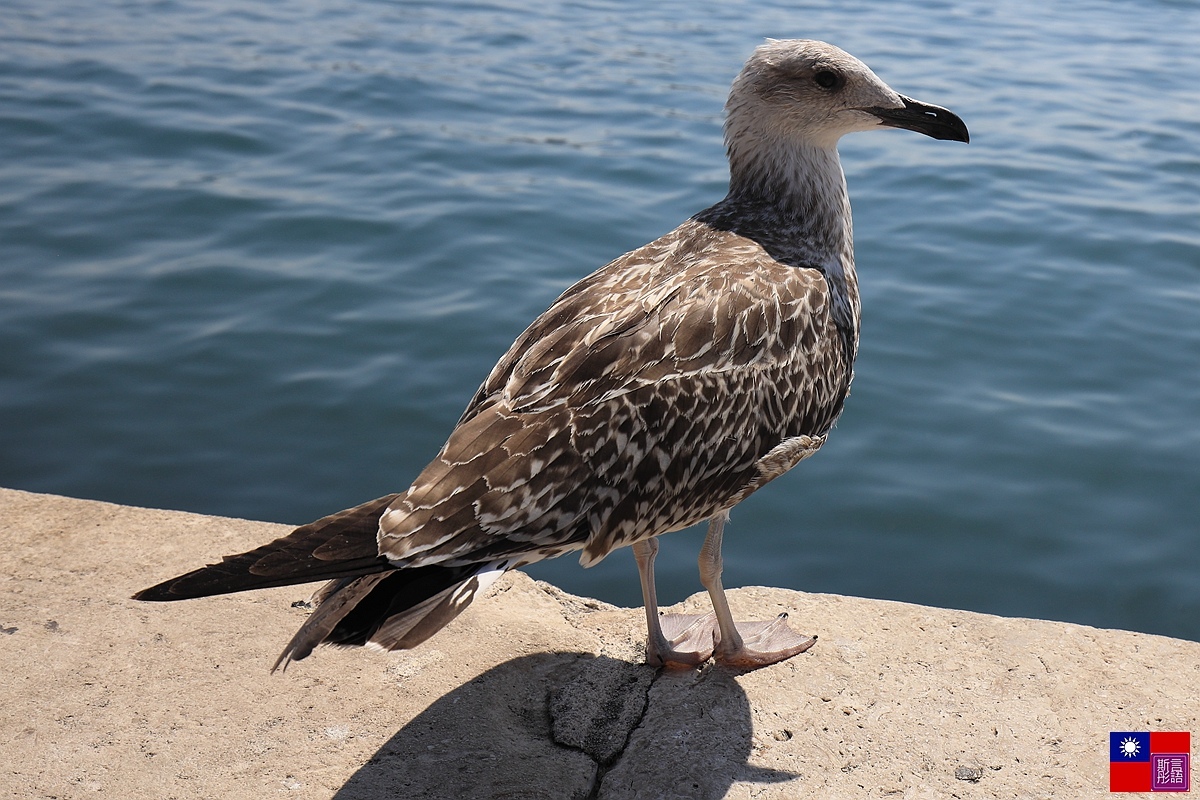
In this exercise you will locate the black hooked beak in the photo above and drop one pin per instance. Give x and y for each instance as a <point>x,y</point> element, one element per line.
<point>923,118</point>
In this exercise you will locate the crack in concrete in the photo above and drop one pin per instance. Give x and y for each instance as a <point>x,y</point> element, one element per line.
<point>595,706</point>
<point>602,769</point>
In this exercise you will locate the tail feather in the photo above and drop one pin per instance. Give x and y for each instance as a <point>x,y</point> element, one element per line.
<point>334,602</point>
<point>367,601</point>
<point>338,546</point>
<point>411,627</point>
<point>397,610</point>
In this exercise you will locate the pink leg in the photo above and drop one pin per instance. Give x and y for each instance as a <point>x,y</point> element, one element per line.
<point>677,641</point>
<point>745,645</point>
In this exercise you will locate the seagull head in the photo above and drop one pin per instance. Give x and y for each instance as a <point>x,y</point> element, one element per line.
<point>799,90</point>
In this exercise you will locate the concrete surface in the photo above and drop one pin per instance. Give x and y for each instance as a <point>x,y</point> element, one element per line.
<point>532,693</point>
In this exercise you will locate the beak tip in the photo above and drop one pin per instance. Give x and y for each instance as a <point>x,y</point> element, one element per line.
<point>930,120</point>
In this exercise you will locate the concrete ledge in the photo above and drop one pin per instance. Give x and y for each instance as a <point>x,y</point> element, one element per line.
<point>532,693</point>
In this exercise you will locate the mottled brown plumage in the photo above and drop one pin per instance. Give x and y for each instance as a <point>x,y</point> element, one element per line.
<point>656,393</point>
<point>639,403</point>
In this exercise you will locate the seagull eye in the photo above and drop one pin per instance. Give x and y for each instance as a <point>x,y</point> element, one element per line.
<point>828,79</point>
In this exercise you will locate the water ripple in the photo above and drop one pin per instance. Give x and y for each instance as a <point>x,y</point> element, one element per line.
<point>257,258</point>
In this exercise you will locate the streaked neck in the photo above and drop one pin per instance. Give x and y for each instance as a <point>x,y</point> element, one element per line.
<point>791,198</point>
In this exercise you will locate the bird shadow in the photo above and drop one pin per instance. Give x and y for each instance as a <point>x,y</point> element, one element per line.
<point>571,725</point>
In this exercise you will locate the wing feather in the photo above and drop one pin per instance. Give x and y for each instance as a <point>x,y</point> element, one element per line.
<point>641,402</point>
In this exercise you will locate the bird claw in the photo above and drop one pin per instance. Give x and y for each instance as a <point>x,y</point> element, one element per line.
<point>688,641</point>
<point>763,643</point>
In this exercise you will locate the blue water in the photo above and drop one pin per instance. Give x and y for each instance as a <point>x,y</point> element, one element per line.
<point>255,259</point>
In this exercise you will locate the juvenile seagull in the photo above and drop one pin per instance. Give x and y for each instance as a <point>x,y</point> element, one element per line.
<point>656,393</point>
